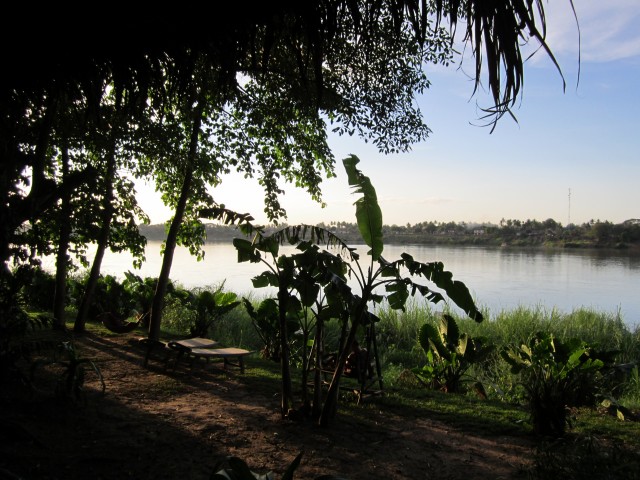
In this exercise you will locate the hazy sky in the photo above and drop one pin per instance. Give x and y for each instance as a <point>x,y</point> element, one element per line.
<point>585,140</point>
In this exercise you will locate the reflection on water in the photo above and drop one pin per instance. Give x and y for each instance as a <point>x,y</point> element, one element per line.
<point>499,278</point>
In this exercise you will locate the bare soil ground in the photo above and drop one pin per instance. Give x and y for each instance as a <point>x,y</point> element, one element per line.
<point>152,424</point>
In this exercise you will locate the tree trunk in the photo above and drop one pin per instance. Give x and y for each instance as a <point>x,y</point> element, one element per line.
<point>331,404</point>
<point>62,258</point>
<point>103,236</point>
<point>15,210</point>
<point>172,237</point>
<point>307,361</point>
<point>287,389</point>
<point>103,242</point>
<point>317,377</point>
<point>94,274</point>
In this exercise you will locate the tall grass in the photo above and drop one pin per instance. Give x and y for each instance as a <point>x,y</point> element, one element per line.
<point>605,331</point>
<point>397,334</point>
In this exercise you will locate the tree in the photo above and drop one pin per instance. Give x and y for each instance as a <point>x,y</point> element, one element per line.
<point>62,258</point>
<point>117,209</point>
<point>254,40</point>
<point>188,149</point>
<point>332,58</point>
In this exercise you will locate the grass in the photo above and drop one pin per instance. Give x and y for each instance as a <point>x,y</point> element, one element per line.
<point>586,456</point>
<point>398,348</point>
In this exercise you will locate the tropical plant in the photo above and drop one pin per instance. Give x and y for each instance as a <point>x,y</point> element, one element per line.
<point>70,384</point>
<point>14,342</point>
<point>141,291</point>
<point>553,374</point>
<point>111,296</point>
<point>210,306</point>
<point>265,322</point>
<point>36,286</point>
<point>320,279</point>
<point>450,354</point>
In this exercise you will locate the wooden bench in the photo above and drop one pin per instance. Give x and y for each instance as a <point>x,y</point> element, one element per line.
<point>196,342</point>
<point>183,348</point>
<point>231,356</point>
<point>194,349</point>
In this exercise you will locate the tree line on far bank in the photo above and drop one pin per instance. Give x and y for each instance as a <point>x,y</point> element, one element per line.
<point>592,234</point>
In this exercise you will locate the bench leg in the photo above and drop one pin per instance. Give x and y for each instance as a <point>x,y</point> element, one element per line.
<point>240,363</point>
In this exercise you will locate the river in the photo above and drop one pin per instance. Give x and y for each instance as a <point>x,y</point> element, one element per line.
<point>498,278</point>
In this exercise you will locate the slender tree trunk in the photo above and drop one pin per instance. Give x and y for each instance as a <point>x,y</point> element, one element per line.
<point>62,257</point>
<point>103,236</point>
<point>307,361</point>
<point>103,241</point>
<point>172,237</point>
<point>317,377</point>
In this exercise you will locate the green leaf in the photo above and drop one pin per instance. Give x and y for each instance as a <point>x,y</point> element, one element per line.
<point>398,298</point>
<point>455,290</point>
<point>430,340</point>
<point>265,279</point>
<point>308,288</point>
<point>246,251</point>
<point>368,212</point>
<point>464,343</point>
<point>449,330</point>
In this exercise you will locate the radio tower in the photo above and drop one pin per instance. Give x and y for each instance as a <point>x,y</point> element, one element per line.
<point>569,218</point>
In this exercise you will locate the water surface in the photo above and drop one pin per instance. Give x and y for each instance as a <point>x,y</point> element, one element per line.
<point>499,278</point>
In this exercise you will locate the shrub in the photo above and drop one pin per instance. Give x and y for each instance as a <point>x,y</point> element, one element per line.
<point>449,354</point>
<point>555,375</point>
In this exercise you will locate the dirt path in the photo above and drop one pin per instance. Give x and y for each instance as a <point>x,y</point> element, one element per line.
<point>150,424</point>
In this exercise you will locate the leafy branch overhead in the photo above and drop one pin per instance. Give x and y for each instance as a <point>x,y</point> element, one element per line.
<point>180,100</point>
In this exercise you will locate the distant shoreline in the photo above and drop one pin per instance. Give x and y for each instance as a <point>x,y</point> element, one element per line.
<point>605,236</point>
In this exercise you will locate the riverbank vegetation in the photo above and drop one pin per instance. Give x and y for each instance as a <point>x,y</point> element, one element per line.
<point>397,331</point>
<point>601,435</point>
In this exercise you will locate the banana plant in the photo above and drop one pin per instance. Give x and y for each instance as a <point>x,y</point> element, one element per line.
<point>450,354</point>
<point>332,274</point>
<point>389,275</point>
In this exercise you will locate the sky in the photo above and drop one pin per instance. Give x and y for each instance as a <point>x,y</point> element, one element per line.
<point>572,155</point>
